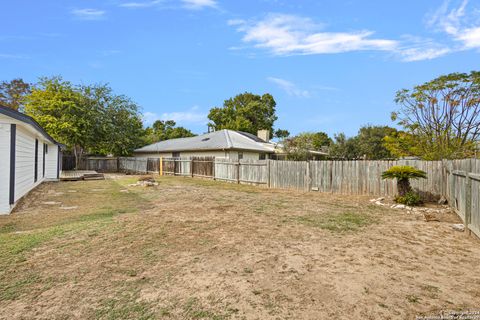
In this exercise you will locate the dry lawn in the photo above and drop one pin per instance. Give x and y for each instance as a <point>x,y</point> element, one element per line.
<point>197,249</point>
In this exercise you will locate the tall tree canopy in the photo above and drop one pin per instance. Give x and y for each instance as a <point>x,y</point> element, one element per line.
<point>443,116</point>
<point>298,147</point>
<point>245,112</point>
<point>13,93</point>
<point>165,130</point>
<point>369,144</point>
<point>86,118</point>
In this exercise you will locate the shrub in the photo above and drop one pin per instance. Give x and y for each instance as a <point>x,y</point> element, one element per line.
<point>403,174</point>
<point>410,199</point>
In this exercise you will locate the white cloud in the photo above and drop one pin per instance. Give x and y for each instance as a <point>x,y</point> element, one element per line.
<point>191,116</point>
<point>289,87</point>
<point>144,4</point>
<point>88,14</point>
<point>13,56</point>
<point>418,49</point>
<point>462,25</point>
<point>199,4</point>
<point>283,34</point>
<point>187,4</point>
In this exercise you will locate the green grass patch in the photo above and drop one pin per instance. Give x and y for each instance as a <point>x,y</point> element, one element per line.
<point>13,290</point>
<point>336,222</point>
<point>124,308</point>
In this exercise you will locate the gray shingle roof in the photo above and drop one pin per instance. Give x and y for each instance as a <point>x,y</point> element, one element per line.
<point>218,140</point>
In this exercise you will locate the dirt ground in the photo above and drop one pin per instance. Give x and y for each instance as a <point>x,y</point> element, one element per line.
<point>198,249</point>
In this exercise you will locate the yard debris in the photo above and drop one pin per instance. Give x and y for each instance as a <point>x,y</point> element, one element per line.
<point>430,217</point>
<point>145,181</point>
<point>72,191</point>
<point>458,227</point>
<point>124,190</point>
<point>69,208</point>
<point>51,203</point>
<point>377,199</point>
<point>442,200</point>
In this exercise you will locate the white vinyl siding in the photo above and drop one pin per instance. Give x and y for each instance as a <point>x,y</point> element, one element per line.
<point>51,159</point>
<point>4,167</point>
<point>25,163</point>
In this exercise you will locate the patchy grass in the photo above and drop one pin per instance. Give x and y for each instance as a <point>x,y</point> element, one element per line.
<point>202,249</point>
<point>342,222</point>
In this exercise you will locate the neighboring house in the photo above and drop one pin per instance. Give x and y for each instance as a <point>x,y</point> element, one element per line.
<point>228,144</point>
<point>28,156</point>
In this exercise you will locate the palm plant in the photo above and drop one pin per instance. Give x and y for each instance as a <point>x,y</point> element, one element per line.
<point>403,174</point>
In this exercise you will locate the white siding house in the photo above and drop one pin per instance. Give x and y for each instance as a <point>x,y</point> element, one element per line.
<point>28,157</point>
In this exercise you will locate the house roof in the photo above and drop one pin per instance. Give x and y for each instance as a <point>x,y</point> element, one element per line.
<point>218,140</point>
<point>28,120</point>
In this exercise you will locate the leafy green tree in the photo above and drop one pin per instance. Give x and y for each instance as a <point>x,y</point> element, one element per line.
<point>245,112</point>
<point>281,134</point>
<point>87,119</point>
<point>299,147</point>
<point>403,175</point>
<point>343,147</point>
<point>119,126</point>
<point>443,115</point>
<point>165,130</point>
<point>371,144</point>
<point>13,93</point>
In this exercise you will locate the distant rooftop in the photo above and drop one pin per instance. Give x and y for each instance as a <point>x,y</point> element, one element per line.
<point>218,140</point>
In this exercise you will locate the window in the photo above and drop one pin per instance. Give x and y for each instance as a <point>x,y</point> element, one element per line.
<point>176,154</point>
<point>261,156</point>
<point>240,155</point>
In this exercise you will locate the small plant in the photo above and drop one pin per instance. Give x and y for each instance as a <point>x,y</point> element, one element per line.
<point>403,174</point>
<point>410,199</point>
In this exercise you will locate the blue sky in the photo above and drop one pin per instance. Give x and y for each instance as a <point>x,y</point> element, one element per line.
<point>331,65</point>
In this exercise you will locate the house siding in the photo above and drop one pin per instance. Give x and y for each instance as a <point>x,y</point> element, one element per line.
<point>24,165</point>
<point>4,167</point>
<point>51,159</point>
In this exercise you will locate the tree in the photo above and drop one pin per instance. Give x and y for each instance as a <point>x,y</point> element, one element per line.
<point>165,130</point>
<point>403,174</point>
<point>281,134</point>
<point>245,112</point>
<point>443,115</point>
<point>86,118</point>
<point>119,128</point>
<point>343,147</point>
<point>13,93</point>
<point>299,147</point>
<point>371,144</point>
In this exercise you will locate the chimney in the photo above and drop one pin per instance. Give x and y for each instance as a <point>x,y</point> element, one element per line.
<point>264,135</point>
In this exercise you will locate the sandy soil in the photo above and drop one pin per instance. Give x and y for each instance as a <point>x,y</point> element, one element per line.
<point>195,249</point>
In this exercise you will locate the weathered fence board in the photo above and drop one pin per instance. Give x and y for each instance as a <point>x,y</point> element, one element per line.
<point>133,165</point>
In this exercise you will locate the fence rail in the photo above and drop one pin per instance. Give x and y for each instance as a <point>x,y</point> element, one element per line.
<point>457,180</point>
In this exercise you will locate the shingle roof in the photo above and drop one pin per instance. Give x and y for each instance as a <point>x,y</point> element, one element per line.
<point>28,120</point>
<point>218,140</point>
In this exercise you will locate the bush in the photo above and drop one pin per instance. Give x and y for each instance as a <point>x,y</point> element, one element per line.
<point>410,199</point>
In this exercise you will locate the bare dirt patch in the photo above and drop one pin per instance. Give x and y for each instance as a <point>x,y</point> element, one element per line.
<point>199,249</point>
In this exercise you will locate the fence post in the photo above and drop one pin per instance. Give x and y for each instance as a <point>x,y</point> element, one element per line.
<point>238,172</point>
<point>191,167</point>
<point>468,203</point>
<point>307,178</point>
<point>161,166</point>
<point>268,173</point>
